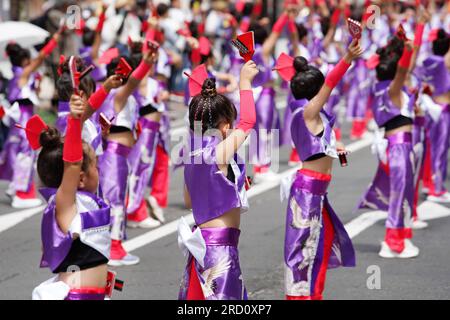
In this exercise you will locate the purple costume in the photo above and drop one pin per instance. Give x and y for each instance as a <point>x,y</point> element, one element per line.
<point>90,225</point>
<point>307,254</point>
<point>358,95</point>
<point>212,195</point>
<point>392,189</point>
<point>143,154</point>
<point>17,158</point>
<point>267,117</point>
<point>113,165</point>
<point>438,76</point>
<point>99,73</point>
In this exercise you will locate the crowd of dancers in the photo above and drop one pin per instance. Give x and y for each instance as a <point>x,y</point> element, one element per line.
<point>384,63</point>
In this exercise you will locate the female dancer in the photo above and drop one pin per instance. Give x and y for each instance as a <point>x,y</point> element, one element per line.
<point>393,187</point>
<point>215,191</point>
<point>17,158</point>
<point>437,74</point>
<point>114,170</point>
<point>75,225</point>
<point>315,238</point>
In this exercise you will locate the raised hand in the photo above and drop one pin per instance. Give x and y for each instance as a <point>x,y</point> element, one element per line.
<point>113,82</point>
<point>248,73</point>
<point>354,51</point>
<point>77,106</point>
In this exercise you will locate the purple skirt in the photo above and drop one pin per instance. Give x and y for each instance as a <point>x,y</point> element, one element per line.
<point>17,158</point>
<point>113,176</point>
<point>304,244</point>
<point>221,276</point>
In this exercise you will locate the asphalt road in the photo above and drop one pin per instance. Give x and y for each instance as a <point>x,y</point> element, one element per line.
<point>261,249</point>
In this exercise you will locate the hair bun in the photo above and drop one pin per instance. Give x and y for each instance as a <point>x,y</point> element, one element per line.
<point>441,34</point>
<point>50,138</point>
<point>301,64</point>
<point>209,88</point>
<point>13,49</point>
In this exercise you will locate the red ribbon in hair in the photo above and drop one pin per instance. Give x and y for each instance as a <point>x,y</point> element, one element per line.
<point>33,129</point>
<point>196,79</point>
<point>285,67</point>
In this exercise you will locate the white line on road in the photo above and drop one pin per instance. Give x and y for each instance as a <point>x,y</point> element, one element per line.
<point>9,220</point>
<point>258,189</point>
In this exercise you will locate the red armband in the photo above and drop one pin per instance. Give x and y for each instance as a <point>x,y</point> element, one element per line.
<point>248,111</point>
<point>335,75</point>
<point>49,47</point>
<point>73,145</point>
<point>101,22</point>
<point>405,60</point>
<point>292,27</point>
<point>141,71</point>
<point>336,16</point>
<point>97,98</point>
<point>281,22</point>
<point>419,35</point>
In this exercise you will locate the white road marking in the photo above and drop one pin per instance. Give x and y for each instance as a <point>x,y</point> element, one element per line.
<point>9,220</point>
<point>363,222</point>
<point>258,189</point>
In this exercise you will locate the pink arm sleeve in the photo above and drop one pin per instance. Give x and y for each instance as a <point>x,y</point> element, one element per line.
<point>248,111</point>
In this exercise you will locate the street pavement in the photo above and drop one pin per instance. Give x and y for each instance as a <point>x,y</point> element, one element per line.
<point>261,246</point>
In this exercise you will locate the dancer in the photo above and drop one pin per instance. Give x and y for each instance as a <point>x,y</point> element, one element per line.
<point>315,238</point>
<point>393,187</point>
<point>113,164</point>
<point>215,178</point>
<point>75,225</point>
<point>17,158</point>
<point>437,74</point>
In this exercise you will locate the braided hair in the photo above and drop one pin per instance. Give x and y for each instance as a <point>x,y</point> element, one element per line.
<point>210,109</point>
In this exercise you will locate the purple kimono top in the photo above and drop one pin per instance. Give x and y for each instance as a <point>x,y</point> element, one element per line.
<point>305,142</point>
<point>98,73</point>
<point>17,93</point>
<point>384,109</point>
<point>437,74</point>
<point>265,70</point>
<point>212,193</point>
<point>91,224</point>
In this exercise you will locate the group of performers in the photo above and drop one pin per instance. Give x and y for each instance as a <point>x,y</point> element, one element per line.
<point>110,142</point>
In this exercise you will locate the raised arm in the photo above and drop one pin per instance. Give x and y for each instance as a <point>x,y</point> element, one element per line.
<point>36,62</point>
<point>424,18</point>
<point>313,108</point>
<point>98,97</point>
<point>271,41</point>
<point>133,82</point>
<point>395,89</point>
<point>98,35</point>
<point>66,208</point>
<point>229,146</point>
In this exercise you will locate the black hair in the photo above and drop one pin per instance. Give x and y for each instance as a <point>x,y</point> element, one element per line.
<point>211,108</point>
<point>307,81</point>
<point>260,32</point>
<point>325,23</point>
<point>389,57</point>
<point>162,9</point>
<point>111,67</point>
<point>88,37</point>
<point>17,54</point>
<point>64,82</point>
<point>50,164</point>
<point>302,31</point>
<point>441,44</point>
